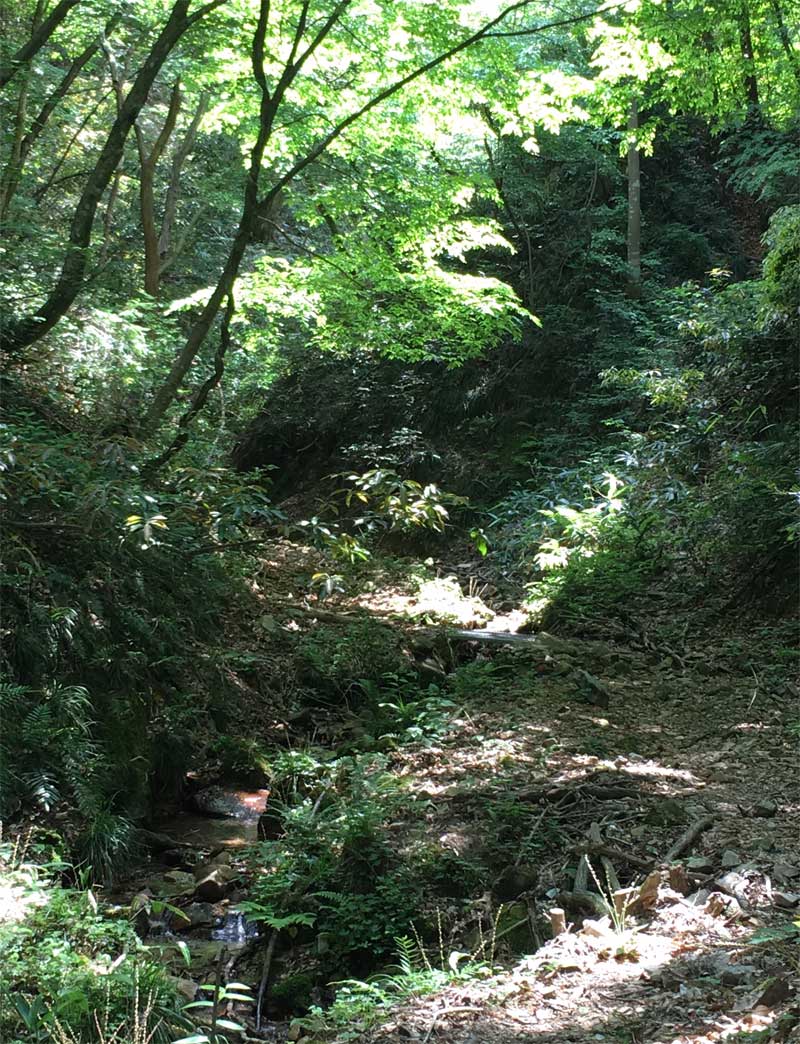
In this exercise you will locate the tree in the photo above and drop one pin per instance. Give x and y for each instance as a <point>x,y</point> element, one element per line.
<point>300,44</point>
<point>16,335</point>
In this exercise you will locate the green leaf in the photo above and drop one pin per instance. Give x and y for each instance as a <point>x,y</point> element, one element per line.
<point>227,1024</point>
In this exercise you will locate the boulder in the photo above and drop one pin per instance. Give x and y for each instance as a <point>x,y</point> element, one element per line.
<point>212,882</point>
<point>195,915</point>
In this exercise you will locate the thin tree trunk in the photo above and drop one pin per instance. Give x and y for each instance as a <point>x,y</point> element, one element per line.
<point>746,44</point>
<point>786,43</point>
<point>200,397</point>
<point>270,103</point>
<point>39,37</point>
<point>634,206</point>
<point>42,190</point>
<point>166,254</point>
<point>13,167</point>
<point>12,176</point>
<point>148,162</point>
<point>108,216</point>
<point>15,337</point>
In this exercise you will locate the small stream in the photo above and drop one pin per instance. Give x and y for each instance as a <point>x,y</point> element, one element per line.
<point>193,872</point>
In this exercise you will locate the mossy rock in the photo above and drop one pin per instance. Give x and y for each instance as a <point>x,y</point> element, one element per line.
<point>514,929</point>
<point>292,993</point>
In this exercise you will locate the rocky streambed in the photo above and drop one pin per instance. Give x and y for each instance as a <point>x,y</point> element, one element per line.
<point>184,901</point>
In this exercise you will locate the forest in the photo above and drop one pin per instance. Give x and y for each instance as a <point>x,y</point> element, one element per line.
<point>399,512</point>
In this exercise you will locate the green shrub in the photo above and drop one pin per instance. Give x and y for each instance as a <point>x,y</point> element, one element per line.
<point>66,961</point>
<point>338,660</point>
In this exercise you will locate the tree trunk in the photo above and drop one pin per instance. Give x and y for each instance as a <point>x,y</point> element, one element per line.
<point>12,174</point>
<point>13,168</point>
<point>746,44</point>
<point>148,162</point>
<point>166,254</point>
<point>634,206</point>
<point>39,37</point>
<point>786,43</point>
<point>270,102</point>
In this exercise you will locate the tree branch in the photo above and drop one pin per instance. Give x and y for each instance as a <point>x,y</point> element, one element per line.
<point>38,39</point>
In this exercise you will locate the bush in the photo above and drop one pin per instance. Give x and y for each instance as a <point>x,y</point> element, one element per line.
<point>339,660</point>
<point>69,968</point>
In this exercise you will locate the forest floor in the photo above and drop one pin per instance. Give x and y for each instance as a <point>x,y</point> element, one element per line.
<point>623,748</point>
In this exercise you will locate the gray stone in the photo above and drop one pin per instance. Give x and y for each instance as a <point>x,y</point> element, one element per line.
<point>593,690</point>
<point>738,974</point>
<point>699,898</point>
<point>730,859</point>
<point>187,988</point>
<point>785,871</point>
<point>699,865</point>
<point>788,900</point>
<point>213,884</point>
<point>734,884</point>
<point>195,915</point>
<point>765,809</point>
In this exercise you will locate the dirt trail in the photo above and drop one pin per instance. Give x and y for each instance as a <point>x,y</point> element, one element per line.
<point>682,739</point>
<point>622,744</point>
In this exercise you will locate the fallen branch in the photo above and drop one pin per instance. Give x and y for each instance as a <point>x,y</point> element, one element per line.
<point>688,838</point>
<point>615,853</point>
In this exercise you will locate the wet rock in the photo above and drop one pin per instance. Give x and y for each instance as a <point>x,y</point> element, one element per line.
<point>140,913</point>
<point>171,885</point>
<point>212,882</point>
<point>193,916</point>
<point>204,955</point>
<point>236,804</point>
